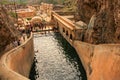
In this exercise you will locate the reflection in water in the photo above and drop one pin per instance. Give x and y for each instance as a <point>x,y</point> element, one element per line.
<point>55,59</point>
<point>33,72</point>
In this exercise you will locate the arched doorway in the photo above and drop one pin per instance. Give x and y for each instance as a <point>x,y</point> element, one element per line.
<point>37,23</point>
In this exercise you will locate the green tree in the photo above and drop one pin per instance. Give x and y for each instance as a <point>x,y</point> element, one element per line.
<point>5,2</point>
<point>70,5</point>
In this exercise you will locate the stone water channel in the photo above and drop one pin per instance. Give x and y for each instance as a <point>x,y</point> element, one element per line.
<point>55,59</point>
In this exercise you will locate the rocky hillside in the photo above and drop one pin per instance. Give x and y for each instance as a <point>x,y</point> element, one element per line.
<point>103,19</point>
<point>7,30</point>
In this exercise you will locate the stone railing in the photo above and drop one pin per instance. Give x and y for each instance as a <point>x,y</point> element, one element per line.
<point>16,64</point>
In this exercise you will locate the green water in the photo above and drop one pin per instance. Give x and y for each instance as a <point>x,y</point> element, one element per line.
<point>55,59</point>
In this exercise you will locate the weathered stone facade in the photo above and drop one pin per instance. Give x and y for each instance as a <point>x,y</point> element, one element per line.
<point>26,13</point>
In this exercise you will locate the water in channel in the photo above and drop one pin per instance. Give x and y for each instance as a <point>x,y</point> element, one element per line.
<point>55,59</point>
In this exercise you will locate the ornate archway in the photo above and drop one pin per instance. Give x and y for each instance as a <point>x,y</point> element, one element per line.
<point>36,19</point>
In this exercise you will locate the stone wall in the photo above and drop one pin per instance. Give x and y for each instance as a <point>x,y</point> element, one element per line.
<point>101,62</point>
<point>26,14</point>
<point>85,52</point>
<point>16,64</point>
<point>105,62</point>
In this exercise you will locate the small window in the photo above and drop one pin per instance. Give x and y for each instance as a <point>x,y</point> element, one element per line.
<point>67,33</point>
<point>63,29</point>
<point>71,37</point>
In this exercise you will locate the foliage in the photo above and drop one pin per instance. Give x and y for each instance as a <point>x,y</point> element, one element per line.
<point>13,14</point>
<point>22,2</point>
<point>5,2</point>
<point>28,18</point>
<point>46,1</point>
<point>70,5</point>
